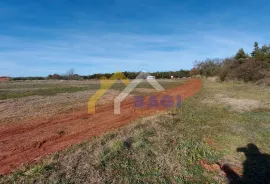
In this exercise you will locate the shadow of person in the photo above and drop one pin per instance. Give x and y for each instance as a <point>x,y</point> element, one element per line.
<point>231,175</point>
<point>256,167</point>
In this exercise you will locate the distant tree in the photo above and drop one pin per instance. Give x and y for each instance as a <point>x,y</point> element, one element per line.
<point>69,74</point>
<point>261,54</point>
<point>256,49</point>
<point>193,72</point>
<point>209,67</point>
<point>57,76</point>
<point>265,52</point>
<point>54,77</point>
<point>241,56</point>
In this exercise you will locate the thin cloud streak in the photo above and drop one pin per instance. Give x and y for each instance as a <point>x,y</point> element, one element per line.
<point>107,51</point>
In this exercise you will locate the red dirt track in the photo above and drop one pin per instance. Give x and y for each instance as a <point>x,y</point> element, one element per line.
<point>25,142</point>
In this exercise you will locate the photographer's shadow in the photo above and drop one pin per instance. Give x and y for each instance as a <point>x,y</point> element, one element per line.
<point>256,167</point>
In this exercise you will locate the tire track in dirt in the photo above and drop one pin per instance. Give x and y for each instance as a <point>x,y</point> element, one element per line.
<point>26,142</point>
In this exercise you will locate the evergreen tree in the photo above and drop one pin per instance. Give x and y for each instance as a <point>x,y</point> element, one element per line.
<point>256,50</point>
<point>241,55</point>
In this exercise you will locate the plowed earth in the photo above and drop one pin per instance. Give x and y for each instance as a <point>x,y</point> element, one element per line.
<point>25,142</point>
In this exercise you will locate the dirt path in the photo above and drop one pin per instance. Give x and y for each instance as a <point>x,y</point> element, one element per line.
<point>26,142</point>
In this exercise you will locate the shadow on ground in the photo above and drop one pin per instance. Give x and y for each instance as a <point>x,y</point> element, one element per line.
<point>256,167</point>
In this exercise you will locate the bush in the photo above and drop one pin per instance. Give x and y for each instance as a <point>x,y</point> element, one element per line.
<point>227,65</point>
<point>209,67</point>
<point>250,70</point>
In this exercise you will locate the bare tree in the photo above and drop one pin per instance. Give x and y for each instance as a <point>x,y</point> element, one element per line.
<point>69,74</point>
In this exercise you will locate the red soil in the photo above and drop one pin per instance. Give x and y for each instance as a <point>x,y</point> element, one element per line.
<point>210,167</point>
<point>25,142</point>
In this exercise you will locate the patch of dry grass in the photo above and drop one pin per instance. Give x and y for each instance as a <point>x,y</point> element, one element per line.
<point>234,104</point>
<point>47,107</point>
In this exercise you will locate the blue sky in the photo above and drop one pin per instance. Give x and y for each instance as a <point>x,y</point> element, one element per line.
<point>38,38</point>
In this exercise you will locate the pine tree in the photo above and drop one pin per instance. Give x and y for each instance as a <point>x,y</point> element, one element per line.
<point>241,55</point>
<point>256,50</point>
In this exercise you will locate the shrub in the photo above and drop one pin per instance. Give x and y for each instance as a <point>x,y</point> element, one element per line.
<point>209,67</point>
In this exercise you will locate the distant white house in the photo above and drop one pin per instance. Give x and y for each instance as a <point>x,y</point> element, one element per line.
<point>150,77</point>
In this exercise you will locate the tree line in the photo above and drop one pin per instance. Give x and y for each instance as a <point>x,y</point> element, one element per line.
<point>253,67</point>
<point>133,75</point>
<point>70,75</point>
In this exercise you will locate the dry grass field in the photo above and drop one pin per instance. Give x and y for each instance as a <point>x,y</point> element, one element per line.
<point>29,100</point>
<point>213,127</point>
